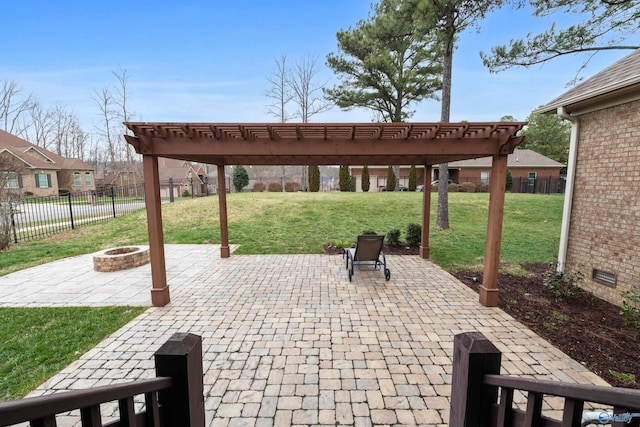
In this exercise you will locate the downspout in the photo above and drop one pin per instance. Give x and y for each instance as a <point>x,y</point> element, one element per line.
<point>568,194</point>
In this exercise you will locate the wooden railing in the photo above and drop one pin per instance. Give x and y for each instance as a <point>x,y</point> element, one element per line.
<point>174,398</point>
<point>476,385</point>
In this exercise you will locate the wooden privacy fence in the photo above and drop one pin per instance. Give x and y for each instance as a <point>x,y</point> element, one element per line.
<point>175,398</point>
<point>476,385</point>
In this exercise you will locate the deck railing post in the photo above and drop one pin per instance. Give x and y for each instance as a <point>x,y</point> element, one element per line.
<point>473,357</point>
<point>181,359</point>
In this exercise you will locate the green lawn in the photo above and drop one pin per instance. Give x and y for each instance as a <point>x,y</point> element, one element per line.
<point>35,343</point>
<point>281,223</point>
<point>261,223</point>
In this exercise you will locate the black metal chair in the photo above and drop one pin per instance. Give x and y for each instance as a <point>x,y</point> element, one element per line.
<point>368,250</point>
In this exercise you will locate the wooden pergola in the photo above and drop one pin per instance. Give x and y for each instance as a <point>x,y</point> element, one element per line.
<point>369,144</point>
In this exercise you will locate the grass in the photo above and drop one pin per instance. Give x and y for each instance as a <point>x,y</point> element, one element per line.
<point>282,223</point>
<point>35,343</point>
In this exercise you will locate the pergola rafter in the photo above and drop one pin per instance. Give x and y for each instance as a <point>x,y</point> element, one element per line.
<point>369,144</point>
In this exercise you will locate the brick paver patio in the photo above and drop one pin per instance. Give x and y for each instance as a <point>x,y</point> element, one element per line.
<point>288,340</point>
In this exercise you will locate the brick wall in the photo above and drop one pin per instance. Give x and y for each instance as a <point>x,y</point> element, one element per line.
<point>605,221</point>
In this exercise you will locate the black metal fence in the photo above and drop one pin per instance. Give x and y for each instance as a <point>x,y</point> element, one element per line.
<point>36,217</point>
<point>540,185</point>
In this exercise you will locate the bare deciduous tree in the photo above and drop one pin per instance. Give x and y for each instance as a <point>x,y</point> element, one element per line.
<point>41,130</point>
<point>104,102</point>
<point>279,91</point>
<point>296,86</point>
<point>306,93</point>
<point>113,107</point>
<point>121,99</point>
<point>14,104</point>
<point>11,169</point>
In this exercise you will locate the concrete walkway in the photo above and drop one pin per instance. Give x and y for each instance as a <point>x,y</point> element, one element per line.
<point>288,340</point>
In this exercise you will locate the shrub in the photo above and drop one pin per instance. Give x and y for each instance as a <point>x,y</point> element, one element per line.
<point>413,178</point>
<point>259,186</point>
<point>240,178</point>
<point>291,186</point>
<point>393,237</point>
<point>314,178</point>
<point>414,234</point>
<point>468,187</point>
<point>368,231</point>
<point>453,188</point>
<point>434,188</point>
<point>274,187</point>
<point>341,244</point>
<point>344,178</point>
<point>631,307</point>
<point>391,179</point>
<point>561,285</point>
<point>366,180</point>
<point>186,193</point>
<point>482,188</point>
<point>509,184</point>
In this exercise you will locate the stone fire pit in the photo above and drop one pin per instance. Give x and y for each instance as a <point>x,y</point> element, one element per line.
<point>122,258</point>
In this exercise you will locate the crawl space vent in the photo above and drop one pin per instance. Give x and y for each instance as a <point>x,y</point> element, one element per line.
<point>604,277</point>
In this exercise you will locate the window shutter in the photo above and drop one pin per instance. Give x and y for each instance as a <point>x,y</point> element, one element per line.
<point>19,181</point>
<point>49,180</point>
<point>37,183</point>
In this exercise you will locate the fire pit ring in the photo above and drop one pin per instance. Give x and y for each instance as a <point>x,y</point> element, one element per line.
<point>121,258</point>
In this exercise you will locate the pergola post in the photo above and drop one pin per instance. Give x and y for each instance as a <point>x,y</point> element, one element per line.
<point>159,290</point>
<point>426,212</point>
<point>222,203</point>
<point>497,186</point>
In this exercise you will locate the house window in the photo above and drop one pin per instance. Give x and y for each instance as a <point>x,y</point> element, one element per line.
<point>484,177</point>
<point>532,176</point>
<point>77,179</point>
<point>87,179</point>
<point>11,180</point>
<point>43,180</point>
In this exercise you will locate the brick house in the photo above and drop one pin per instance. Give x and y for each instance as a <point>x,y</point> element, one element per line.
<point>42,172</point>
<point>600,234</point>
<point>180,176</point>
<point>526,168</point>
<point>127,182</point>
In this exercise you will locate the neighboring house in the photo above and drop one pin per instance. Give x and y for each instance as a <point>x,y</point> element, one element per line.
<point>127,183</point>
<point>600,235</point>
<point>524,164</point>
<point>378,177</point>
<point>526,167</point>
<point>42,172</point>
<point>181,177</point>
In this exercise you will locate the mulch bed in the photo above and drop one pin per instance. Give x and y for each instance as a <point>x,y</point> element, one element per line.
<point>586,328</point>
<point>388,250</point>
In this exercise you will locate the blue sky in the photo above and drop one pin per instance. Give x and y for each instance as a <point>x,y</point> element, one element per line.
<point>197,60</point>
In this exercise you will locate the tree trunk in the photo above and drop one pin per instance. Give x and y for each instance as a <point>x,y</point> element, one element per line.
<point>442,219</point>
